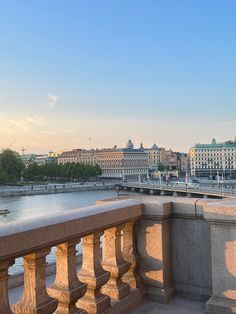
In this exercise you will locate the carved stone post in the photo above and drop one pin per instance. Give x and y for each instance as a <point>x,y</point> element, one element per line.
<point>153,246</point>
<point>129,255</point>
<point>4,300</point>
<point>35,299</point>
<point>67,288</point>
<point>115,264</point>
<point>222,219</point>
<point>93,275</point>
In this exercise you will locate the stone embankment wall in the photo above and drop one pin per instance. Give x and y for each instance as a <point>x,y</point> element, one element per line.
<point>42,191</point>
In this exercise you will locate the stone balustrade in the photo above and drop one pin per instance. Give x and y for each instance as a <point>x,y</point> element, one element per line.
<point>148,245</point>
<point>98,287</point>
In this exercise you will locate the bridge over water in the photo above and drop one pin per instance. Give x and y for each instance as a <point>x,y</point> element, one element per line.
<point>170,190</point>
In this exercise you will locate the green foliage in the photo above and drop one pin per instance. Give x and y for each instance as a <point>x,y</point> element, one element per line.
<point>66,172</point>
<point>32,172</point>
<point>11,166</point>
<point>99,170</point>
<point>161,167</point>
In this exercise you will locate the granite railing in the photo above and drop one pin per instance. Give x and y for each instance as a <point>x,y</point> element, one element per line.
<point>99,286</point>
<point>152,246</point>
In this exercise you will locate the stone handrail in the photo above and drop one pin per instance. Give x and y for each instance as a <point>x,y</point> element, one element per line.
<point>97,283</point>
<point>181,245</point>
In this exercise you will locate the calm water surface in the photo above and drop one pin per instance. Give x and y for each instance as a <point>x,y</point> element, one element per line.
<point>26,207</point>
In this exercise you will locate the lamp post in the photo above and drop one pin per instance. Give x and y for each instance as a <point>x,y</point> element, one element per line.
<point>222,188</point>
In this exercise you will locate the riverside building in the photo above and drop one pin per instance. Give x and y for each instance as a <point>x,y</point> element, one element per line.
<point>157,156</point>
<point>122,163</point>
<point>153,156</point>
<point>213,160</point>
<point>68,156</point>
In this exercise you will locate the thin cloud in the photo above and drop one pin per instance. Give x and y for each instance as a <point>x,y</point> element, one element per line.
<point>48,132</point>
<point>67,131</point>
<point>52,100</point>
<point>24,124</point>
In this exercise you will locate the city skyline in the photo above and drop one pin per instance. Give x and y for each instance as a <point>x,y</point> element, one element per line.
<point>94,74</point>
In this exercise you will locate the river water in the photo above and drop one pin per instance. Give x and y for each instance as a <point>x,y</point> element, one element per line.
<point>26,207</point>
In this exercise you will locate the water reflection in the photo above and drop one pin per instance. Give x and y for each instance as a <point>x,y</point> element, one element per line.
<point>26,207</point>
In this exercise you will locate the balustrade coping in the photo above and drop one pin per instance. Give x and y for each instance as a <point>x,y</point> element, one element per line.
<point>24,237</point>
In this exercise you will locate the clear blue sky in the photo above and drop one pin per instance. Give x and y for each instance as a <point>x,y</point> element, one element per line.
<point>156,71</point>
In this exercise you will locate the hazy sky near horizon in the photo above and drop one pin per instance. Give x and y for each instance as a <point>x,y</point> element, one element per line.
<point>95,73</point>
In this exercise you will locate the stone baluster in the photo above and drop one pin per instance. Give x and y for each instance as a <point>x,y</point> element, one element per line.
<point>4,300</point>
<point>35,298</point>
<point>67,288</point>
<point>115,264</point>
<point>93,275</point>
<point>129,254</point>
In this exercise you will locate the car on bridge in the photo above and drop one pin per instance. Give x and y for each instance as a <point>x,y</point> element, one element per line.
<point>189,185</point>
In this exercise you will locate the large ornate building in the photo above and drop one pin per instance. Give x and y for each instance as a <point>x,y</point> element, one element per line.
<point>215,159</point>
<point>126,163</point>
<point>68,156</point>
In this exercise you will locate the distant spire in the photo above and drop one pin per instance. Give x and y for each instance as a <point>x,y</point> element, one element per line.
<point>213,141</point>
<point>141,145</point>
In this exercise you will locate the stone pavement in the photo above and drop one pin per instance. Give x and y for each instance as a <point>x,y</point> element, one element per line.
<point>176,306</point>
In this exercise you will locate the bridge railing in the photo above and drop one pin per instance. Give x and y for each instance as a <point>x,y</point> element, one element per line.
<point>217,191</point>
<point>102,282</point>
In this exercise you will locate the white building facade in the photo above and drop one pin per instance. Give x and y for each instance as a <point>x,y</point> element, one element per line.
<point>212,160</point>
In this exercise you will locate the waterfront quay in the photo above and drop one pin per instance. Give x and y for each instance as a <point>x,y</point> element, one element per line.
<point>153,249</point>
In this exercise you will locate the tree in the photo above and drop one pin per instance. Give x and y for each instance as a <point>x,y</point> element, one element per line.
<point>68,171</point>
<point>32,172</point>
<point>99,170</point>
<point>11,166</point>
<point>3,176</point>
<point>161,167</point>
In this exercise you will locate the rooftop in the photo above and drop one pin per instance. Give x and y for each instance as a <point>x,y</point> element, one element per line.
<point>214,144</point>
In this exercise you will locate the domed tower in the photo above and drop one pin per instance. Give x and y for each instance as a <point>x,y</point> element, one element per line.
<point>213,142</point>
<point>154,146</point>
<point>130,145</point>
